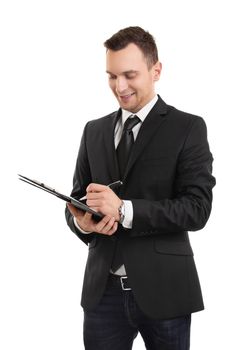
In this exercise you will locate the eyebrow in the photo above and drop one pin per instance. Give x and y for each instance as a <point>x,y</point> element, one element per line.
<point>126,72</point>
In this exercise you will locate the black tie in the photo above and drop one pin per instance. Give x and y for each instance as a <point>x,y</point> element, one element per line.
<point>123,152</point>
<point>126,142</point>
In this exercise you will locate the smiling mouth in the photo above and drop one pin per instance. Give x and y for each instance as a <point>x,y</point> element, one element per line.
<point>126,97</point>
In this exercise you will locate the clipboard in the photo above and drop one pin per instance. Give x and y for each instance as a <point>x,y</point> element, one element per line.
<point>96,215</point>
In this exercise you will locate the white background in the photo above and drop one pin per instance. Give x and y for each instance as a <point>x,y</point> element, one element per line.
<point>52,82</point>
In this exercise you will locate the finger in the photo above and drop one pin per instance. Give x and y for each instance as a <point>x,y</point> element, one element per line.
<point>70,207</point>
<point>86,222</point>
<point>108,227</point>
<point>100,226</point>
<point>113,230</point>
<point>87,218</point>
<point>97,209</point>
<point>93,187</point>
<point>94,195</point>
<point>74,211</point>
<point>94,203</point>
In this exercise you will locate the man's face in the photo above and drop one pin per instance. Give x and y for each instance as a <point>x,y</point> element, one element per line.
<point>130,79</point>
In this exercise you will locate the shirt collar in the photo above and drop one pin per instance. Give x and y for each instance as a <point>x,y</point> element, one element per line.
<point>142,114</point>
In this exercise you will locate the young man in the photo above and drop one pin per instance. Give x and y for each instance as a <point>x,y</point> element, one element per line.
<point>140,274</point>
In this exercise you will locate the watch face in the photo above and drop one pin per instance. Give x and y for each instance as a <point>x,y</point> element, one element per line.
<point>122,212</point>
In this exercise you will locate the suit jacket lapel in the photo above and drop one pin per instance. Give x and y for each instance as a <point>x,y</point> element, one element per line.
<point>148,130</point>
<point>109,144</point>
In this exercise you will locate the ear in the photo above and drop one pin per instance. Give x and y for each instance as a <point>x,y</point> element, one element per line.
<point>157,68</point>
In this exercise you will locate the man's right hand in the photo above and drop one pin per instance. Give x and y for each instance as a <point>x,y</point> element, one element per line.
<point>107,226</point>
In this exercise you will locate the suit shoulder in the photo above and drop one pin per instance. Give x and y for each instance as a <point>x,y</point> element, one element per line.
<point>181,115</point>
<point>102,120</point>
<point>184,119</point>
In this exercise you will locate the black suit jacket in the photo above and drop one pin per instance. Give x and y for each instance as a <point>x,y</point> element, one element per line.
<point>169,181</point>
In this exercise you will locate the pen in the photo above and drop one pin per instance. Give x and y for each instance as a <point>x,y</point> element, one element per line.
<point>113,185</point>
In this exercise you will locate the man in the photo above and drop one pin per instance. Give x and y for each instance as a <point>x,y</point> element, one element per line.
<point>140,274</point>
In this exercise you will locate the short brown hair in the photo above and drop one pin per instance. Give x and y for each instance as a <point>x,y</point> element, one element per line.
<point>138,36</point>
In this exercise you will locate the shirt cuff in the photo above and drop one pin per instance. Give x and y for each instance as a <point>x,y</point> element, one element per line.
<point>128,219</point>
<point>79,228</point>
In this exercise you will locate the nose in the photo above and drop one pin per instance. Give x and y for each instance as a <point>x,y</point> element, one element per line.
<point>121,85</point>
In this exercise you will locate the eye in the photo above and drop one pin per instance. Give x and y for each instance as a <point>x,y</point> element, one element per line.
<point>130,75</point>
<point>111,77</point>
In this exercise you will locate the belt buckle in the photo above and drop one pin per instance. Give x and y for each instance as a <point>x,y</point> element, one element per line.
<point>122,278</point>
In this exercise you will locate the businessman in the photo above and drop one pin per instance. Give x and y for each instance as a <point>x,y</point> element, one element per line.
<point>140,274</point>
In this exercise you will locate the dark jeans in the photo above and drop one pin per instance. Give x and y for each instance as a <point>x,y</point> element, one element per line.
<point>116,321</point>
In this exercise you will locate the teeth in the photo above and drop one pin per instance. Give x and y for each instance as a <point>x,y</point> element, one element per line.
<point>125,96</point>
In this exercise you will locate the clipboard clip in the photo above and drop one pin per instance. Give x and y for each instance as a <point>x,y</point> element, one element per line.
<point>36,183</point>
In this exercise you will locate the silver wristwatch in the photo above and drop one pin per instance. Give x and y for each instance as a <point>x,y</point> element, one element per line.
<point>121,211</point>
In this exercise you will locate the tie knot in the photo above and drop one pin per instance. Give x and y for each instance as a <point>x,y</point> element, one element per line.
<point>131,122</point>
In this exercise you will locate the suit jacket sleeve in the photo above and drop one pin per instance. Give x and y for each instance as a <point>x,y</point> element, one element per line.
<point>81,179</point>
<point>190,206</point>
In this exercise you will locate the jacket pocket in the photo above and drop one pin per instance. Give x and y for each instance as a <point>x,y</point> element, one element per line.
<point>173,247</point>
<point>157,161</point>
